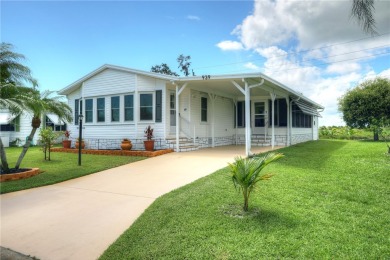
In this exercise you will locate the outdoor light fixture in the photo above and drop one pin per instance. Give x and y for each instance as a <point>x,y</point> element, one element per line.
<point>80,135</point>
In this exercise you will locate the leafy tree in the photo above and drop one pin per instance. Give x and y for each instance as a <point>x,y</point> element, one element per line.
<point>11,70</point>
<point>367,105</point>
<point>246,173</point>
<point>363,11</point>
<point>163,69</point>
<point>39,105</point>
<point>184,65</point>
<point>47,137</point>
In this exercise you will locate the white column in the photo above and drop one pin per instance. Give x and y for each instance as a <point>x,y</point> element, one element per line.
<point>288,122</point>
<point>247,121</point>
<point>273,97</point>
<point>177,119</point>
<point>236,117</point>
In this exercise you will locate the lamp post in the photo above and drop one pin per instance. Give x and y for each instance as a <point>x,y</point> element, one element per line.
<point>80,136</point>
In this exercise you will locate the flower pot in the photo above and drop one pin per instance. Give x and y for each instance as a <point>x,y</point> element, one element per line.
<point>149,145</point>
<point>82,145</point>
<point>126,145</point>
<point>66,143</point>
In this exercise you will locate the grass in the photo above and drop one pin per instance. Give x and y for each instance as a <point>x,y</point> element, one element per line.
<point>62,167</point>
<point>328,199</point>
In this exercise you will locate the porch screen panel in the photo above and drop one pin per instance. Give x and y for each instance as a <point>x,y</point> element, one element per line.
<point>240,114</point>
<point>115,103</point>
<point>101,109</point>
<point>88,111</point>
<point>159,106</point>
<point>146,106</point>
<point>129,107</point>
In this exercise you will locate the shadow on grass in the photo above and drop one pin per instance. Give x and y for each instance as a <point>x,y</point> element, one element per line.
<point>310,155</point>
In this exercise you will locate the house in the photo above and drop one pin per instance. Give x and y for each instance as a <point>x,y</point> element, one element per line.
<point>189,112</point>
<point>15,129</point>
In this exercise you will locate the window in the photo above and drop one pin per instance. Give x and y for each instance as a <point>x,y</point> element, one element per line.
<point>146,106</point>
<point>115,109</point>
<point>54,127</point>
<point>203,109</point>
<point>241,114</point>
<point>280,112</point>
<point>259,114</point>
<point>129,108</point>
<point>100,109</point>
<point>13,126</point>
<point>88,111</point>
<point>299,119</point>
<point>76,111</point>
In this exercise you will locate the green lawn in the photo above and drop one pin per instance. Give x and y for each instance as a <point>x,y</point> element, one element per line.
<point>62,167</point>
<point>328,199</point>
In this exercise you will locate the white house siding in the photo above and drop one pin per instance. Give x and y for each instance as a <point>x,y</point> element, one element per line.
<point>24,131</point>
<point>299,135</point>
<point>109,82</point>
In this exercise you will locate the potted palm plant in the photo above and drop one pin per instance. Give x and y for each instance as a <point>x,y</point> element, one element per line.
<point>126,144</point>
<point>66,143</point>
<point>149,143</point>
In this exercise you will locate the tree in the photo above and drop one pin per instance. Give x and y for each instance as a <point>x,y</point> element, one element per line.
<point>246,173</point>
<point>363,11</point>
<point>184,65</point>
<point>47,136</point>
<point>163,69</point>
<point>367,105</point>
<point>39,105</point>
<point>11,70</point>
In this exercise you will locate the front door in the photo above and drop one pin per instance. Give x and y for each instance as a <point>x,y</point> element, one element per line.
<point>172,112</point>
<point>259,117</point>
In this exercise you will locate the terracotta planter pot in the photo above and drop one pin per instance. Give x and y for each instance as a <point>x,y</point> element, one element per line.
<point>149,145</point>
<point>66,143</point>
<point>82,145</point>
<point>126,145</point>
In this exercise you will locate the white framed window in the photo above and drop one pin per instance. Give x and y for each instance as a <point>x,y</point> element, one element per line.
<point>88,110</point>
<point>129,107</point>
<point>100,109</point>
<point>115,109</point>
<point>146,107</point>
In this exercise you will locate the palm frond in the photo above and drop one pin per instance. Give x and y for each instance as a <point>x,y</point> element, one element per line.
<point>363,11</point>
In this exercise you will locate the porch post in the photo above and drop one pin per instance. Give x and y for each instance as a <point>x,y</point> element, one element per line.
<point>235,118</point>
<point>273,97</point>
<point>288,122</point>
<point>177,119</point>
<point>247,120</point>
<point>212,97</point>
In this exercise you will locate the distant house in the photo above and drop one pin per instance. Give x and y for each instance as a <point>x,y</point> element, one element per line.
<point>15,129</point>
<point>190,112</point>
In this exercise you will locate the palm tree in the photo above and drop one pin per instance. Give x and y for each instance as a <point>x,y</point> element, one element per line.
<point>11,70</point>
<point>246,173</point>
<point>363,10</point>
<point>39,105</point>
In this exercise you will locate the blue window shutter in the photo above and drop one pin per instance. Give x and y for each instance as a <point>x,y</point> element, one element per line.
<point>158,106</point>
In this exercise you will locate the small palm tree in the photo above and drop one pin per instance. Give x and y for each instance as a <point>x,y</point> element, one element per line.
<point>246,173</point>
<point>39,105</point>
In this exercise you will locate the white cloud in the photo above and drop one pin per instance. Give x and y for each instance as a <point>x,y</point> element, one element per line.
<point>314,47</point>
<point>193,17</point>
<point>230,46</point>
<point>251,66</point>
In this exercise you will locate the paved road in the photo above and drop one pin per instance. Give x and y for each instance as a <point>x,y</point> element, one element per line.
<point>80,218</point>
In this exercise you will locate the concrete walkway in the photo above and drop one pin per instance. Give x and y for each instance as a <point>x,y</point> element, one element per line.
<point>80,218</point>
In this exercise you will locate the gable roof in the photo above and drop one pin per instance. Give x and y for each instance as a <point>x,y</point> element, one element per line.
<point>297,96</point>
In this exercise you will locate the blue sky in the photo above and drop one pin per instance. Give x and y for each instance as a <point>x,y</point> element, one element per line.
<point>311,46</point>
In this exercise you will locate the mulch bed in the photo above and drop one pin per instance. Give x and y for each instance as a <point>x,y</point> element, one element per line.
<point>21,174</point>
<point>114,152</point>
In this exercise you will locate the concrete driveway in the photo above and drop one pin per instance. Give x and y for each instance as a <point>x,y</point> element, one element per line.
<point>80,218</point>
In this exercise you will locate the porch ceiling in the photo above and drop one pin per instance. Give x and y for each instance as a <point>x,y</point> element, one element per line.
<point>225,87</point>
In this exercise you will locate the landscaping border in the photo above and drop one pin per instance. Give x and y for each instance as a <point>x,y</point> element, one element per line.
<point>114,152</point>
<point>19,175</point>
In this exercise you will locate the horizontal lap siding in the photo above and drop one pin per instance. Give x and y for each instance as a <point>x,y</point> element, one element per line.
<point>109,82</point>
<point>224,117</point>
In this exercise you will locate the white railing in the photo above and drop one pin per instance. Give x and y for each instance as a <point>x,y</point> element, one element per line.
<point>188,128</point>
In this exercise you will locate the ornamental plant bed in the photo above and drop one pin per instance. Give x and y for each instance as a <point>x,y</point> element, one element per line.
<point>115,152</point>
<point>19,174</point>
